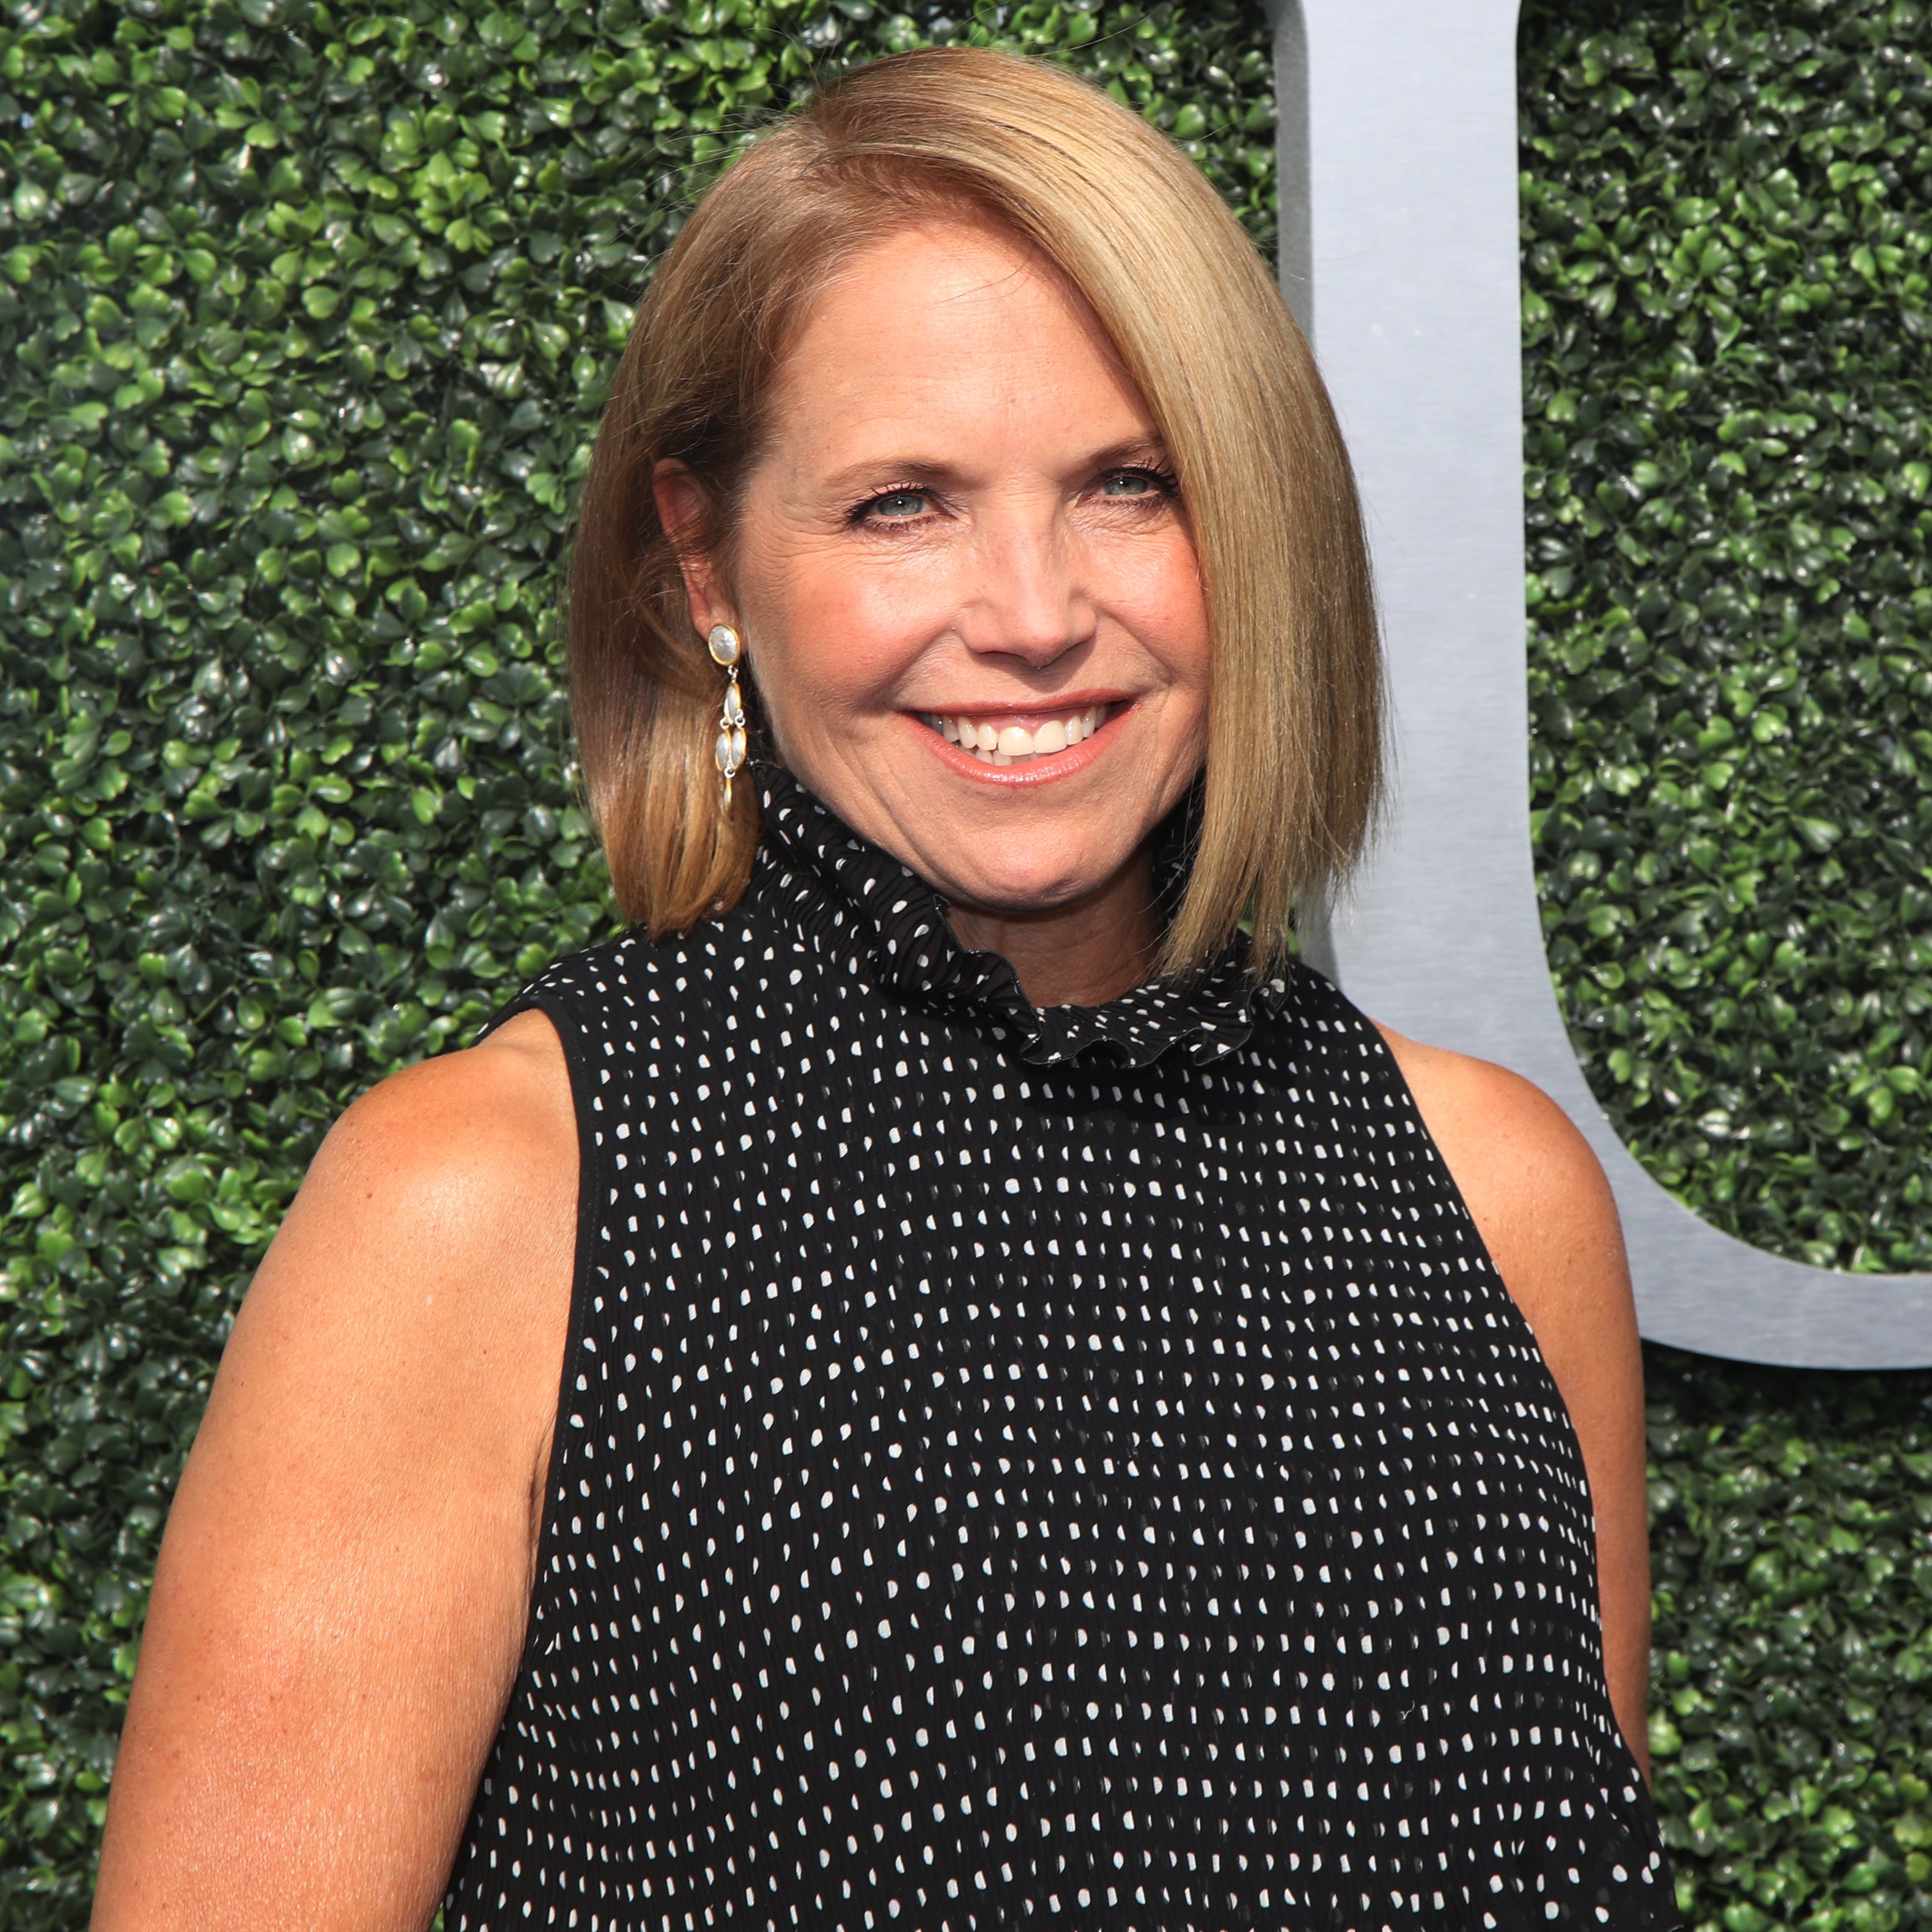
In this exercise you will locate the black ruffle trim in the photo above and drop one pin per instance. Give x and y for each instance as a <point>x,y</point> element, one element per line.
<point>870,904</point>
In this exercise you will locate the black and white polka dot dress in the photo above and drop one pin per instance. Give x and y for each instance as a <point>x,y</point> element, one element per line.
<point>1016,1466</point>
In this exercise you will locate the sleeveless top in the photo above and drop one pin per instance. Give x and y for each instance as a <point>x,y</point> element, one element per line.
<point>1016,1464</point>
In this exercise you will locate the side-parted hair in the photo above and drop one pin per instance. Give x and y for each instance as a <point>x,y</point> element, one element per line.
<point>1294,728</point>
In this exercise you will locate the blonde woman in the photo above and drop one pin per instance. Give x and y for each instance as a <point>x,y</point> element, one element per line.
<point>942,1379</point>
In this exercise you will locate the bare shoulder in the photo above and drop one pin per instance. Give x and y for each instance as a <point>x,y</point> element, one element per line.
<point>435,1229</point>
<point>1535,1187</point>
<point>466,1144</point>
<point>471,1121</point>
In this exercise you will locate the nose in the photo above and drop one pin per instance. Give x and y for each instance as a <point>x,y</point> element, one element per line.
<point>1029,602</point>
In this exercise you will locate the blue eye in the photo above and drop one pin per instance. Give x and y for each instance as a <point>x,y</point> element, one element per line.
<point>899,504</point>
<point>1129,483</point>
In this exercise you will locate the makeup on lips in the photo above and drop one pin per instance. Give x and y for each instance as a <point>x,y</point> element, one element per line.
<point>999,738</point>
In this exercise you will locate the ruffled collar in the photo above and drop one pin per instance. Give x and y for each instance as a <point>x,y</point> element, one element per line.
<point>849,892</point>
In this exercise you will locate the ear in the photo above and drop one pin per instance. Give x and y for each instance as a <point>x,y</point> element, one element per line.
<point>681,502</point>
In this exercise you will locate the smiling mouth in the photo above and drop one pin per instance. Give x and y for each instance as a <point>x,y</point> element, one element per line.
<point>1003,741</point>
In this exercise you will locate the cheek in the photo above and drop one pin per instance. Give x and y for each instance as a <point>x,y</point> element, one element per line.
<point>838,630</point>
<point>1163,604</point>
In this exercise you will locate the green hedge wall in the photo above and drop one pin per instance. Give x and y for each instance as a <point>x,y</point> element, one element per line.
<point>1791,1727</point>
<point>305,309</point>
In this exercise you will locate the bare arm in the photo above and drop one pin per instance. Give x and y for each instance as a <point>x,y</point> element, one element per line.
<point>1545,1211</point>
<point>339,1606</point>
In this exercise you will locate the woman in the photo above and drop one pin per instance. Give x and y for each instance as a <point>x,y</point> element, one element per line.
<point>1058,1415</point>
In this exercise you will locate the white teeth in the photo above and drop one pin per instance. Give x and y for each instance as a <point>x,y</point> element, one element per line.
<point>1012,744</point>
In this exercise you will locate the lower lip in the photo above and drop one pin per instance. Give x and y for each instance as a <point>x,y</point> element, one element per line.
<point>1040,768</point>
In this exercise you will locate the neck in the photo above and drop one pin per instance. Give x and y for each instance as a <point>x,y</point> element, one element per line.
<point>1081,955</point>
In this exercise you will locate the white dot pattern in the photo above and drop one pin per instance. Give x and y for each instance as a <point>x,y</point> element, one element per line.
<point>1078,1465</point>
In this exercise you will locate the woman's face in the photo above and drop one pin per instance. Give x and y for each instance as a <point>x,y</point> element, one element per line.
<point>963,532</point>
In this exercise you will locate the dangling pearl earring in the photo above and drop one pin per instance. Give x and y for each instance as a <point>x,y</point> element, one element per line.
<point>727,648</point>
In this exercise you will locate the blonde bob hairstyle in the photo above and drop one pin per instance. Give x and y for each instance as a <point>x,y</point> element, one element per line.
<point>1295,730</point>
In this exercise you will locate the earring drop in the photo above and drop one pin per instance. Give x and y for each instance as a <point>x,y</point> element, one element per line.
<point>728,753</point>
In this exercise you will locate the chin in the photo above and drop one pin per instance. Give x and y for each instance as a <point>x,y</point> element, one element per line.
<point>1024,885</point>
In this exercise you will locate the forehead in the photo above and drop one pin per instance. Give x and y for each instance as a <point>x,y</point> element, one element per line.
<point>949,319</point>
